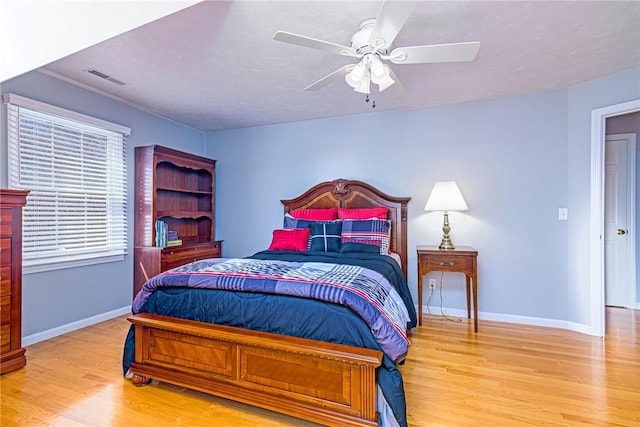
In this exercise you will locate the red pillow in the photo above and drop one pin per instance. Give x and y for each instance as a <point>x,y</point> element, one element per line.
<point>315,214</point>
<point>379,212</point>
<point>291,239</point>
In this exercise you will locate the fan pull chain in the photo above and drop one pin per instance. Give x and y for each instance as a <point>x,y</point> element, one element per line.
<point>373,103</point>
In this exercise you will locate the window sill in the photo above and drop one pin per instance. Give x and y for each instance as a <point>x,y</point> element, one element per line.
<point>59,265</point>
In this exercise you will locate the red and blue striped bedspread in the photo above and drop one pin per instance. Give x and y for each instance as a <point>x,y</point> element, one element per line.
<point>364,291</point>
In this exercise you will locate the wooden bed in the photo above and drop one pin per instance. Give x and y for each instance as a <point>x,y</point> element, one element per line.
<point>327,383</point>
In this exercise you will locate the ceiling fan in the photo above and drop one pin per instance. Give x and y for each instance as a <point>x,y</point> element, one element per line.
<point>371,46</point>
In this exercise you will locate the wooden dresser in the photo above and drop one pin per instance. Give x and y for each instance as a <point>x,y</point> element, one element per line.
<point>178,189</point>
<point>12,355</point>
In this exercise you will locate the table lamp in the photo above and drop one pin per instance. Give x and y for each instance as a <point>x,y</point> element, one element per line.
<point>446,196</point>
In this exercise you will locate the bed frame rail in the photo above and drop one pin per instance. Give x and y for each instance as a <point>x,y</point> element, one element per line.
<point>327,383</point>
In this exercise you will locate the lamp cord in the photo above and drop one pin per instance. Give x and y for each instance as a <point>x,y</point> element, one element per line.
<point>451,319</point>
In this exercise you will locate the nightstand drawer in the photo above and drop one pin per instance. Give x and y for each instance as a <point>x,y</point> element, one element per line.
<point>449,263</point>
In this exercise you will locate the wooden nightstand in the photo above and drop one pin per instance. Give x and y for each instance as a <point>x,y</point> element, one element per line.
<point>462,259</point>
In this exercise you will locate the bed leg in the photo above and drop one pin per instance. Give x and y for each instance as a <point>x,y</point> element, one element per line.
<point>140,381</point>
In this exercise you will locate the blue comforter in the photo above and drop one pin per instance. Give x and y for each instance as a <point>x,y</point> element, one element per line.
<point>308,318</point>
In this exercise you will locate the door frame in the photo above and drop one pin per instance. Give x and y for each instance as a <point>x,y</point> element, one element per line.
<point>596,235</point>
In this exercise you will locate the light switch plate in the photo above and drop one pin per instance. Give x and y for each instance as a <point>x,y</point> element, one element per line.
<point>563,214</point>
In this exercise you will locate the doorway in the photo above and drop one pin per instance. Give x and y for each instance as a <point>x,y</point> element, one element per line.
<point>597,291</point>
<point>620,214</point>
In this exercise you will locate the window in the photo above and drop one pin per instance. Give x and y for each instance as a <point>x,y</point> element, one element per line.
<point>74,166</point>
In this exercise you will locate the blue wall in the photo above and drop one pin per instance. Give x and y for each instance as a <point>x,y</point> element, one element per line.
<point>60,297</point>
<point>508,156</point>
<point>583,99</point>
<point>516,159</point>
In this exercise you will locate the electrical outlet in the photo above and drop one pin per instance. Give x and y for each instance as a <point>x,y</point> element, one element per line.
<point>432,283</point>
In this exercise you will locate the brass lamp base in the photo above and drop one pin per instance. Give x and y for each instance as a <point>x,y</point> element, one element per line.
<point>446,243</point>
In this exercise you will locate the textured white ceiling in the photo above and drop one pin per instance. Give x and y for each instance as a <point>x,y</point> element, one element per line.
<point>216,66</point>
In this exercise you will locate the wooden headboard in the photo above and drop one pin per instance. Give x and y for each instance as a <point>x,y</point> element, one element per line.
<point>352,194</point>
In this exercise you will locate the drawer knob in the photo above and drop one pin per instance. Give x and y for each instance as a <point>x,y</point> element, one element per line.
<point>450,263</point>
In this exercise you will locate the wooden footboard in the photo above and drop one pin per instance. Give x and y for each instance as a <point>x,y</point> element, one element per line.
<point>326,383</point>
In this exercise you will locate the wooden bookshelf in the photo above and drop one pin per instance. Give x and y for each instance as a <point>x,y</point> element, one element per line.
<point>177,188</point>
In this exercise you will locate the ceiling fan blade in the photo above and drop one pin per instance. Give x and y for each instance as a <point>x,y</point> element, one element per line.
<point>327,80</point>
<point>390,20</point>
<point>450,52</point>
<point>305,41</point>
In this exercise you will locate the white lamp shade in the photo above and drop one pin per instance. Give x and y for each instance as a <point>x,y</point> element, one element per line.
<point>446,196</point>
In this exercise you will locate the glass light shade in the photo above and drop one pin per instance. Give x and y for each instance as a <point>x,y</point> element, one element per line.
<point>378,70</point>
<point>354,77</point>
<point>385,83</point>
<point>446,196</point>
<point>363,87</point>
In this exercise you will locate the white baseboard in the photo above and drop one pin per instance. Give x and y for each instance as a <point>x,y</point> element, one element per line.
<point>69,327</point>
<point>511,318</point>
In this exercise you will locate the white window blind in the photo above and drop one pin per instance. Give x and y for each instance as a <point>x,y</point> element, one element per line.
<point>75,169</point>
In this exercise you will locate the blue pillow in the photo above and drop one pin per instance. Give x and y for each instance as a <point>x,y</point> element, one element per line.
<point>359,247</point>
<point>291,222</point>
<point>325,237</point>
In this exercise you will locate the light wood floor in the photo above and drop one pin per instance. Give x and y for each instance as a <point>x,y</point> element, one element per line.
<point>505,375</point>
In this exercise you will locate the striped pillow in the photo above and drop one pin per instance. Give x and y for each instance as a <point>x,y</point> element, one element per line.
<point>370,231</point>
<point>315,214</point>
<point>379,212</point>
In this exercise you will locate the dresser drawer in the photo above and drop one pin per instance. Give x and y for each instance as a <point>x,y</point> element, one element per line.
<point>5,309</point>
<point>5,338</point>
<point>5,251</point>
<point>175,257</point>
<point>191,251</point>
<point>5,222</point>
<point>5,280</point>
<point>450,263</point>
<point>173,262</point>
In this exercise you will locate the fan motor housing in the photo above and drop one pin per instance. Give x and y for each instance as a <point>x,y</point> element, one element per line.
<point>360,40</point>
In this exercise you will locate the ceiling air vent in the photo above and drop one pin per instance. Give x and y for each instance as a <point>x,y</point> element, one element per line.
<point>105,76</point>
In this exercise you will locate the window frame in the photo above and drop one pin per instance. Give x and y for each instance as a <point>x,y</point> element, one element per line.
<point>112,132</point>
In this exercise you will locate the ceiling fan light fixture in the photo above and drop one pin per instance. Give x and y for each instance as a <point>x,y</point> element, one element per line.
<point>363,87</point>
<point>380,74</point>
<point>385,83</point>
<point>378,69</point>
<point>355,77</point>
